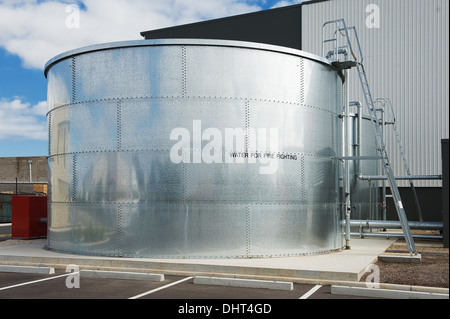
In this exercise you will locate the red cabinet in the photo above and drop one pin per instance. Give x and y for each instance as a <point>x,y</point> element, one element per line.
<point>29,217</point>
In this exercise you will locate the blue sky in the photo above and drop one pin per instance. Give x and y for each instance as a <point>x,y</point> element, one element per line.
<point>34,31</point>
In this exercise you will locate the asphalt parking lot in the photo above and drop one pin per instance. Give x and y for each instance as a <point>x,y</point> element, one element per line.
<point>71,285</point>
<point>58,286</point>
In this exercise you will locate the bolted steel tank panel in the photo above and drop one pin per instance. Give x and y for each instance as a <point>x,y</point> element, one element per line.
<point>193,149</point>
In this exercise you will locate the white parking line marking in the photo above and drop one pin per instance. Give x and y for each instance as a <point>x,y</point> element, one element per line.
<point>160,288</point>
<point>310,292</point>
<point>36,281</point>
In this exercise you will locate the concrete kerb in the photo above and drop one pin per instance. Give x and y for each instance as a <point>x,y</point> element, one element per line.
<point>89,273</point>
<point>400,258</point>
<point>247,283</point>
<point>43,270</point>
<point>127,275</point>
<point>385,293</point>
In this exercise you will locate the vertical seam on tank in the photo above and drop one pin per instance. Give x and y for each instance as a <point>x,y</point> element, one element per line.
<point>302,84</point>
<point>183,70</point>
<point>333,136</point>
<point>74,86</point>
<point>119,230</point>
<point>74,178</point>
<point>119,125</point>
<point>247,229</point>
<point>303,179</point>
<point>184,167</point>
<point>335,228</point>
<point>247,125</point>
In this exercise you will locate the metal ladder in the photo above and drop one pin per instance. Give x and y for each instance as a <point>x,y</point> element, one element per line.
<point>346,48</point>
<point>387,102</point>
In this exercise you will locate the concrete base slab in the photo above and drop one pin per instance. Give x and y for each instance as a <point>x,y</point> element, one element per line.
<point>400,258</point>
<point>121,275</point>
<point>247,283</point>
<point>340,266</point>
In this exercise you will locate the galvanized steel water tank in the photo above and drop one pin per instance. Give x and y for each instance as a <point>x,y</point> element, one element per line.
<point>193,148</point>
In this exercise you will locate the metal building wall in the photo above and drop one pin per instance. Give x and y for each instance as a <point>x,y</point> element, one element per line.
<point>407,61</point>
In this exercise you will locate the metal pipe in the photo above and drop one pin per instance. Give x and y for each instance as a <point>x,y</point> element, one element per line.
<point>359,134</point>
<point>397,235</point>
<point>339,51</point>
<point>352,158</point>
<point>396,224</point>
<point>16,182</point>
<point>404,177</point>
<point>346,139</point>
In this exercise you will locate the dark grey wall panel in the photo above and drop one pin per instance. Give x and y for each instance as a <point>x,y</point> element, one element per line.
<point>281,26</point>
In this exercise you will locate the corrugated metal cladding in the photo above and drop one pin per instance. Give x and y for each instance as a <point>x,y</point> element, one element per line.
<point>407,61</point>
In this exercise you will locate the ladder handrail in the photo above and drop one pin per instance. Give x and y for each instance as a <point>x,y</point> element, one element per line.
<point>346,35</point>
<point>387,165</point>
<point>359,46</point>
<point>376,128</point>
<point>331,39</point>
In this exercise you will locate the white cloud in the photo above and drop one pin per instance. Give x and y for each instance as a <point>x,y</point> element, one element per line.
<point>19,120</point>
<point>284,3</point>
<point>37,31</point>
